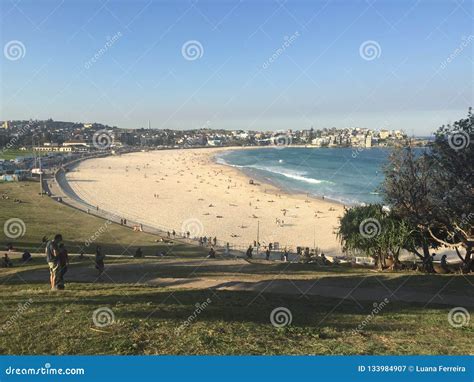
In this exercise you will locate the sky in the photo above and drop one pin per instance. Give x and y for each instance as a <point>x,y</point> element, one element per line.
<point>251,65</point>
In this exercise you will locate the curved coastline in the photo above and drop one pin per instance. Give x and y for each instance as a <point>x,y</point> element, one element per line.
<point>92,183</point>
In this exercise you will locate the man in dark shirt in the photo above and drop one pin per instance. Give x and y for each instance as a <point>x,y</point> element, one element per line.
<point>52,252</point>
<point>63,262</point>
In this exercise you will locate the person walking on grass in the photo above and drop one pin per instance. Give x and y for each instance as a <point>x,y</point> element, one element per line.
<point>52,253</point>
<point>63,263</point>
<point>99,260</point>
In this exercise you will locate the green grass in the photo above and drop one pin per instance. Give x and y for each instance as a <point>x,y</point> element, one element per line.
<point>43,216</point>
<point>148,321</point>
<point>14,153</point>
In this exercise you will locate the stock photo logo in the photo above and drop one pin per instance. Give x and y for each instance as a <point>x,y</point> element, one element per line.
<point>287,42</point>
<point>459,140</point>
<point>370,50</point>
<point>14,50</point>
<point>459,317</point>
<point>369,228</point>
<point>192,50</point>
<point>193,226</point>
<point>14,228</point>
<point>102,140</point>
<point>103,50</point>
<point>281,317</point>
<point>103,317</point>
<point>281,139</point>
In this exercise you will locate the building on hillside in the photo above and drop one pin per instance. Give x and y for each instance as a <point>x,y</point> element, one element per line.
<point>368,141</point>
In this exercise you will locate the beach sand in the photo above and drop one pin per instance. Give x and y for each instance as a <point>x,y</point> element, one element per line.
<point>186,190</point>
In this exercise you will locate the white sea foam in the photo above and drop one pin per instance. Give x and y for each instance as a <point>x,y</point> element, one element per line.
<point>291,174</point>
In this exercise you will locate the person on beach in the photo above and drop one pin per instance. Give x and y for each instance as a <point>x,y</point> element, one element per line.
<point>52,253</point>
<point>267,254</point>
<point>249,252</point>
<point>324,259</point>
<point>63,263</point>
<point>215,240</point>
<point>99,260</point>
<point>285,255</point>
<point>307,255</point>
<point>212,254</point>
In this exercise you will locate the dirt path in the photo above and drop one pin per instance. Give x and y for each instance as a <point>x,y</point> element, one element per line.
<point>236,275</point>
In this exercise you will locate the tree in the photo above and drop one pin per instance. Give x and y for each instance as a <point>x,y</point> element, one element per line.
<point>374,231</point>
<point>407,188</point>
<point>434,191</point>
<point>451,161</point>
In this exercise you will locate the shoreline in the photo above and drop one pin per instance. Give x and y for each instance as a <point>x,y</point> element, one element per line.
<point>186,190</point>
<point>268,183</point>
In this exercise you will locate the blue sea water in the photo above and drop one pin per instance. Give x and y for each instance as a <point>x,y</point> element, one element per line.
<point>347,175</point>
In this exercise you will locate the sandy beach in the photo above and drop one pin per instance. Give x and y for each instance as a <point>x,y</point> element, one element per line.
<point>187,191</point>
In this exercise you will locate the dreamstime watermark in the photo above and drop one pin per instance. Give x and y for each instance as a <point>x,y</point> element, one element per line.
<point>200,307</point>
<point>466,41</point>
<point>14,50</point>
<point>287,42</point>
<point>377,308</point>
<point>459,140</point>
<point>103,317</point>
<point>102,139</point>
<point>370,50</point>
<point>22,308</point>
<point>102,229</point>
<point>369,228</point>
<point>192,226</point>
<point>97,56</point>
<point>192,50</point>
<point>44,370</point>
<point>459,317</point>
<point>14,228</point>
<point>467,218</point>
<point>281,139</point>
<point>280,317</point>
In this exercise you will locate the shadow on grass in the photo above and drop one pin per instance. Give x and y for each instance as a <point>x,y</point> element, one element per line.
<point>235,307</point>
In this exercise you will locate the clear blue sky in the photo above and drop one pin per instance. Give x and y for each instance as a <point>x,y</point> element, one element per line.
<point>320,79</point>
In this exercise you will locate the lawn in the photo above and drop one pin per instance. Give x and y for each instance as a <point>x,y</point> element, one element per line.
<point>14,153</point>
<point>41,216</point>
<point>149,320</point>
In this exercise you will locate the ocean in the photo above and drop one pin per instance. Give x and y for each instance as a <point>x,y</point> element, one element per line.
<point>346,175</point>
